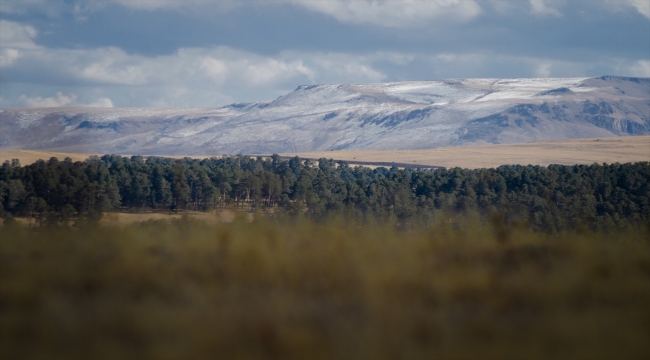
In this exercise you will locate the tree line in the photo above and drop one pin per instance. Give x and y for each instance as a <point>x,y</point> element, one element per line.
<point>547,198</point>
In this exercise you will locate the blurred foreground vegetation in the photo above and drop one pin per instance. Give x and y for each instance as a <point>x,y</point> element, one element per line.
<point>298,289</point>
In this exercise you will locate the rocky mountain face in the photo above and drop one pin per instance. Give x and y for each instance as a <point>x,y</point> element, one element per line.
<point>403,115</point>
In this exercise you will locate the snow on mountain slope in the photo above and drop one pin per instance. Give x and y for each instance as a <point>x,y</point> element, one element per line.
<point>403,115</point>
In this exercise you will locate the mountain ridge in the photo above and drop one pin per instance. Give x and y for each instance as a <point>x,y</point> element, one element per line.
<point>398,115</point>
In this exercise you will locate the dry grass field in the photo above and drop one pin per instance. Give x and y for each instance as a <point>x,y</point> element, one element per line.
<point>566,152</point>
<point>123,219</point>
<point>27,157</point>
<point>129,218</point>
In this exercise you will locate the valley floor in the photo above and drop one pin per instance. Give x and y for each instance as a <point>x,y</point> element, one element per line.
<point>27,157</point>
<point>117,218</point>
<point>566,152</point>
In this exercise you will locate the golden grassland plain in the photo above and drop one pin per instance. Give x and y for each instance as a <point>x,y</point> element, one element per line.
<point>128,218</point>
<point>123,218</point>
<point>186,289</point>
<point>27,157</point>
<point>567,152</point>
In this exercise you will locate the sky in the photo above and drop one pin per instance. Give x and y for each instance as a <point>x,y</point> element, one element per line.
<point>201,53</point>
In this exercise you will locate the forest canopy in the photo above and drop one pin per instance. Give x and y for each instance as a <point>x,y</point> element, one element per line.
<point>550,199</point>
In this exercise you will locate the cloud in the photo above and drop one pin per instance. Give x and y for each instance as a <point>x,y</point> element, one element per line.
<point>17,36</point>
<point>189,76</point>
<point>543,70</point>
<point>103,102</point>
<point>336,67</point>
<point>223,64</point>
<point>184,6</point>
<point>151,4</point>
<point>541,7</point>
<point>15,39</point>
<point>642,6</point>
<point>216,66</point>
<point>81,10</point>
<point>218,75</point>
<point>8,57</point>
<point>107,66</point>
<point>393,13</point>
<point>20,7</point>
<point>59,100</point>
<point>113,66</point>
<point>639,68</point>
<point>467,65</point>
<point>56,8</point>
<point>215,69</point>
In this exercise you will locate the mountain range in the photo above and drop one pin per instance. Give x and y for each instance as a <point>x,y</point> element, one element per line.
<point>400,115</point>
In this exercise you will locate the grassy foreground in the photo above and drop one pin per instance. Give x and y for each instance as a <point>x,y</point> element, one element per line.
<point>296,289</point>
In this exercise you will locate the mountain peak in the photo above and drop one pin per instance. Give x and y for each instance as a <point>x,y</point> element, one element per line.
<point>397,115</point>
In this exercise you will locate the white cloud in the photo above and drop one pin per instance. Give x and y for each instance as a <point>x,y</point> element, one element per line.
<point>150,4</point>
<point>543,70</point>
<point>217,73</point>
<point>15,39</point>
<point>467,65</point>
<point>17,36</point>
<point>459,58</point>
<point>339,67</point>
<point>195,76</point>
<point>215,69</point>
<point>393,13</point>
<point>503,6</point>
<point>81,10</point>
<point>642,6</point>
<point>20,7</point>
<point>213,76</point>
<point>223,64</point>
<point>59,100</point>
<point>181,5</point>
<point>542,7</point>
<point>218,66</point>
<point>639,68</point>
<point>8,57</point>
<point>101,102</point>
<point>108,66</point>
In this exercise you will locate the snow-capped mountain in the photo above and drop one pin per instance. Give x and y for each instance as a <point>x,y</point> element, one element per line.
<point>402,115</point>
